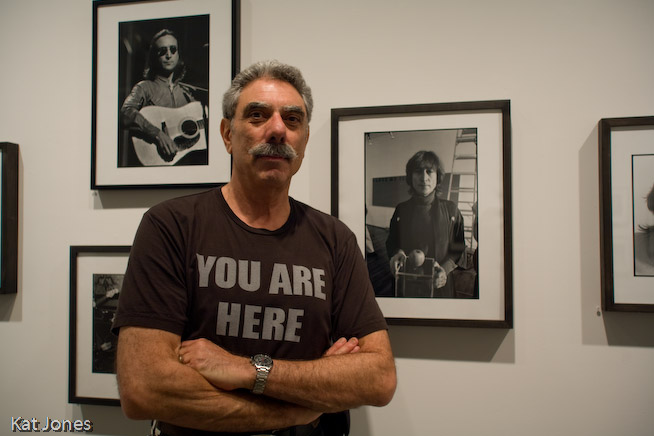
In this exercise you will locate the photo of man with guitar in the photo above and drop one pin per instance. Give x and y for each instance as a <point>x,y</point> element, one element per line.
<point>163,120</point>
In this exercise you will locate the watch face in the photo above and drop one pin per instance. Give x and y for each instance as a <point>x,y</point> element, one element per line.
<point>262,360</point>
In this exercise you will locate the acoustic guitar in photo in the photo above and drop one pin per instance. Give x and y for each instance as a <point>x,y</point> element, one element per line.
<point>184,125</point>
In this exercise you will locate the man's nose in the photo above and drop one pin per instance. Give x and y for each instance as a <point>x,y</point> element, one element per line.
<point>276,129</point>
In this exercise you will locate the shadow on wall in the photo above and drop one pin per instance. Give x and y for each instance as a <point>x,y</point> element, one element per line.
<point>453,343</point>
<point>629,329</point>
<point>110,421</point>
<point>138,198</point>
<point>10,304</point>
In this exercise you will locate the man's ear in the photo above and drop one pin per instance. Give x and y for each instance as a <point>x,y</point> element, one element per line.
<point>226,133</point>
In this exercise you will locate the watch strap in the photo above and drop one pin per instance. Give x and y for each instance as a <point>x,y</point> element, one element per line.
<point>260,381</point>
<point>263,364</point>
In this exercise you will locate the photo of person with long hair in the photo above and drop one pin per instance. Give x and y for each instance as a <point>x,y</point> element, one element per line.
<point>644,240</point>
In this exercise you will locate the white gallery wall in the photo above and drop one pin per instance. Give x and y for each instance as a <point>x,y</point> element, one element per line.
<point>565,369</point>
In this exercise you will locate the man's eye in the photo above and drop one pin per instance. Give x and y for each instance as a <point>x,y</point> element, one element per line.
<point>294,119</point>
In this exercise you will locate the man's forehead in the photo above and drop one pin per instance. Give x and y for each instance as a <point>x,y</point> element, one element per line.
<point>162,40</point>
<point>266,91</point>
<point>425,167</point>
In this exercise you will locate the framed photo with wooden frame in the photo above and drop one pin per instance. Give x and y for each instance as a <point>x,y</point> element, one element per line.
<point>159,70</point>
<point>9,217</point>
<point>422,187</point>
<point>96,277</point>
<point>626,171</point>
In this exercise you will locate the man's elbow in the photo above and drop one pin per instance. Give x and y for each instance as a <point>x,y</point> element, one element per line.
<point>386,389</point>
<point>385,383</point>
<point>133,409</point>
<point>134,402</point>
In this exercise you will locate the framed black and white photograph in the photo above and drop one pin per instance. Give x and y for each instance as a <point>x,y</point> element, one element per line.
<point>159,71</point>
<point>626,150</point>
<point>96,277</point>
<point>423,187</point>
<point>9,217</point>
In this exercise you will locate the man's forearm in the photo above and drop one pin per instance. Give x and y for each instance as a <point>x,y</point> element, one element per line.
<point>155,385</point>
<point>132,119</point>
<point>337,381</point>
<point>334,383</point>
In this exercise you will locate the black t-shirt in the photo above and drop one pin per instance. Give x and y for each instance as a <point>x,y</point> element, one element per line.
<point>196,270</point>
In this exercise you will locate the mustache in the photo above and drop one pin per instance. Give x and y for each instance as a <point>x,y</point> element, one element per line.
<point>284,151</point>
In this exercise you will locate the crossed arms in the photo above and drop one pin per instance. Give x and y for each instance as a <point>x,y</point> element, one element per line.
<point>210,389</point>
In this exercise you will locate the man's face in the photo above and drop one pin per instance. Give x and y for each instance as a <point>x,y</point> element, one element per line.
<point>268,112</point>
<point>167,53</point>
<point>424,181</point>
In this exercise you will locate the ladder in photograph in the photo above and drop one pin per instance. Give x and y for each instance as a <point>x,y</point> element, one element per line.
<point>463,180</point>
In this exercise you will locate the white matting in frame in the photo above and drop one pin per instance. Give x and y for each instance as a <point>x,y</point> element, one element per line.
<point>107,173</point>
<point>632,177</point>
<point>86,385</point>
<point>494,306</point>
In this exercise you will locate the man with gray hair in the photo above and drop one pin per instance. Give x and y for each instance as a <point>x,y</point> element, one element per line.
<point>244,311</point>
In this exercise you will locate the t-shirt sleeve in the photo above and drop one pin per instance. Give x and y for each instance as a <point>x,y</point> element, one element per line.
<point>355,310</point>
<point>154,293</point>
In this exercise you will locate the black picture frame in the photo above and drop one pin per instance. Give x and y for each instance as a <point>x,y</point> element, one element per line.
<point>351,199</point>
<point>9,218</point>
<point>626,179</point>
<point>95,279</point>
<point>208,34</point>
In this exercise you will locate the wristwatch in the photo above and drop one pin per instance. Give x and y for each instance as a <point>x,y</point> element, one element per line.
<point>263,363</point>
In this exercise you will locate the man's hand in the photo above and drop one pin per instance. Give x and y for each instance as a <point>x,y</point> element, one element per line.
<point>222,369</point>
<point>165,145</point>
<point>397,261</point>
<point>343,346</point>
<point>440,276</point>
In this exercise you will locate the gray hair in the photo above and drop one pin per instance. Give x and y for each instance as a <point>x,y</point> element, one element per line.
<point>266,69</point>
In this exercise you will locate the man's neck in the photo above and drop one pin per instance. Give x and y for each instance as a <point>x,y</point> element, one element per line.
<point>166,78</point>
<point>262,209</point>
